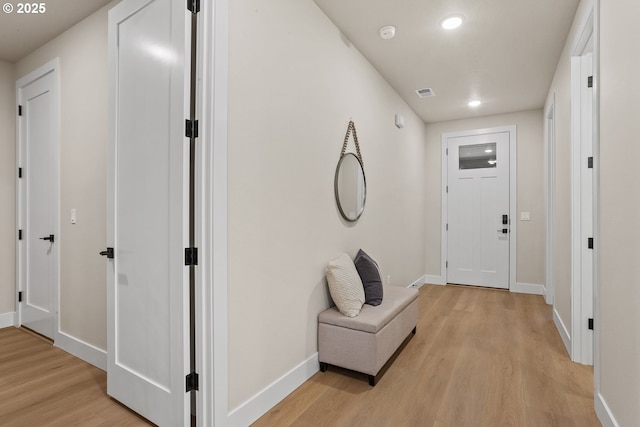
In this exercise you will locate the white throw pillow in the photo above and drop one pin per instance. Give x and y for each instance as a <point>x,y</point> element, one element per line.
<point>345,285</point>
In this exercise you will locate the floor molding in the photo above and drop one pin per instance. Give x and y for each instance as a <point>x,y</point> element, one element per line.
<point>81,350</point>
<point>562,330</point>
<point>435,280</point>
<point>604,412</point>
<point>7,319</point>
<point>266,399</point>
<point>418,283</point>
<point>528,288</point>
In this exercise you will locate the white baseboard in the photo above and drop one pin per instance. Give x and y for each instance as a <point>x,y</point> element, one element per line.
<point>562,330</point>
<point>418,283</point>
<point>604,413</point>
<point>266,399</point>
<point>82,350</point>
<point>435,280</point>
<point>7,319</point>
<point>528,288</point>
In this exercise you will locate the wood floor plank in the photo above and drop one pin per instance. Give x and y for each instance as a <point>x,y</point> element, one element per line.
<point>41,385</point>
<point>480,357</point>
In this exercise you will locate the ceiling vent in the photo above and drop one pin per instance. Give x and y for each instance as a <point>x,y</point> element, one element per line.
<point>425,92</point>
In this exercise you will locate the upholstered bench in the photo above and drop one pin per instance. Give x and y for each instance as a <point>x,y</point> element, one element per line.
<point>366,342</point>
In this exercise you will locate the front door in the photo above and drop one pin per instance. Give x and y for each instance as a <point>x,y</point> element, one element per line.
<point>478,210</point>
<point>147,280</point>
<point>38,194</point>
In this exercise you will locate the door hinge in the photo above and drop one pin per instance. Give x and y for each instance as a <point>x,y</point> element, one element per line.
<point>193,6</point>
<point>590,324</point>
<point>19,110</point>
<point>192,382</point>
<point>447,151</point>
<point>19,172</point>
<point>19,234</point>
<point>590,243</point>
<point>446,264</point>
<point>446,227</point>
<point>20,296</point>
<point>590,81</point>
<point>191,128</point>
<point>191,256</point>
<point>590,162</point>
<point>447,189</point>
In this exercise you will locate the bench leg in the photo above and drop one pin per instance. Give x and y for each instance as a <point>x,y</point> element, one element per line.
<point>372,380</point>
<point>323,367</point>
<point>414,330</point>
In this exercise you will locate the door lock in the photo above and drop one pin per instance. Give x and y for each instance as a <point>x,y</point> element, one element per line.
<point>49,238</point>
<point>503,230</point>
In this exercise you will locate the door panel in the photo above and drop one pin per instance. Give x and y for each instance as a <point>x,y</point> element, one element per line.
<point>478,196</point>
<point>39,203</point>
<point>147,279</point>
<point>586,207</point>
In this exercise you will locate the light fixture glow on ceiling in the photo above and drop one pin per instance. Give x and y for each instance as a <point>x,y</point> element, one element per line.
<point>451,22</point>
<point>474,103</point>
<point>488,150</point>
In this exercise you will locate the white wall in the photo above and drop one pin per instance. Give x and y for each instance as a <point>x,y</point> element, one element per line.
<point>294,82</point>
<point>7,187</point>
<point>530,245</point>
<point>561,86</point>
<point>619,319</point>
<point>83,100</point>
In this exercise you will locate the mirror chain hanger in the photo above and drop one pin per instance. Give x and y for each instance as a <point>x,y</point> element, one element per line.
<point>352,128</point>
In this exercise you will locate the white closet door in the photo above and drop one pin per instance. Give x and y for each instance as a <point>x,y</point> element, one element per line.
<point>148,311</point>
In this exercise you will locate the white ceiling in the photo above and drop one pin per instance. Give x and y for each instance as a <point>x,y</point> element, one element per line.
<point>21,34</point>
<point>505,52</point>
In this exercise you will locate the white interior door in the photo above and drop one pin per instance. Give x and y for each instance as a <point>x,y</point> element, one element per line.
<point>586,207</point>
<point>478,208</point>
<point>147,291</point>
<point>37,189</point>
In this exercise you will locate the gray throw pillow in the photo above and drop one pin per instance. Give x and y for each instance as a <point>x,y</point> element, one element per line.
<point>370,275</point>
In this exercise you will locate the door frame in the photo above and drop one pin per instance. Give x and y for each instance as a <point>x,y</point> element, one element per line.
<point>580,351</point>
<point>550,196</point>
<point>51,67</point>
<point>511,130</point>
<point>211,214</point>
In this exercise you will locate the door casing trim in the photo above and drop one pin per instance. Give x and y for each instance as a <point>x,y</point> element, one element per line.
<point>549,196</point>
<point>511,130</point>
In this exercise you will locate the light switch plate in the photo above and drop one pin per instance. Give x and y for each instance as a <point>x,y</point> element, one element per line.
<point>525,216</point>
<point>73,216</point>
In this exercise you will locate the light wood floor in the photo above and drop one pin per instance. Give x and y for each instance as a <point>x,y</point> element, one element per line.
<point>41,385</point>
<point>480,358</point>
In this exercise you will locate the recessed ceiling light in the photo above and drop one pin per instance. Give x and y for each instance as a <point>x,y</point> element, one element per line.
<point>488,150</point>
<point>388,32</point>
<point>451,22</point>
<point>474,103</point>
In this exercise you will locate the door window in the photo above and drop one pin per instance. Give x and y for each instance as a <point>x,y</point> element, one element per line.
<point>478,156</point>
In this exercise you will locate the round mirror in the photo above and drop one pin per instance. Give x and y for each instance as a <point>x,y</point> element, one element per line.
<point>350,187</point>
